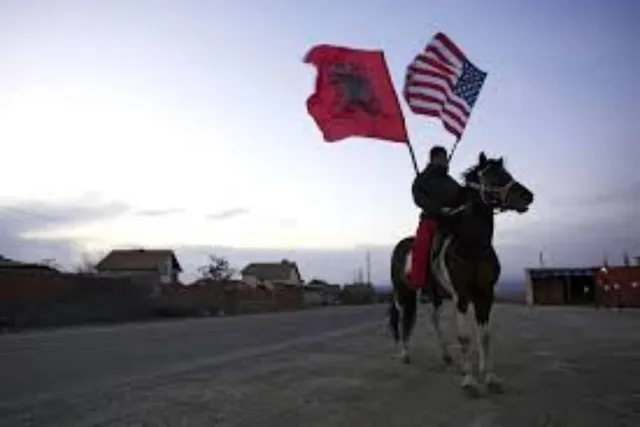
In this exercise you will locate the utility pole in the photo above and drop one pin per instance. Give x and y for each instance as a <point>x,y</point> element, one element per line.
<point>368,268</point>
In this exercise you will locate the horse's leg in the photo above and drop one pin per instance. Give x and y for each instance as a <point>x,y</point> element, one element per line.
<point>394,317</point>
<point>461,305</point>
<point>487,277</point>
<point>485,363</point>
<point>409,313</point>
<point>405,302</point>
<point>469,383</point>
<point>395,312</point>
<point>435,320</point>
<point>436,312</point>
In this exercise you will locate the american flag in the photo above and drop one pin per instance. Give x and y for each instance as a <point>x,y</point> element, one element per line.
<point>442,82</point>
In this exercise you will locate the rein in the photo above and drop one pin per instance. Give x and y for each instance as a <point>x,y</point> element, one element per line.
<point>485,190</point>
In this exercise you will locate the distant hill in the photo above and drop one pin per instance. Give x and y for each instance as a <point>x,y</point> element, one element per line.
<point>511,285</point>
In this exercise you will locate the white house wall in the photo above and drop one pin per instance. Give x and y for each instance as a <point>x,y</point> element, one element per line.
<point>250,280</point>
<point>313,297</point>
<point>255,281</point>
<point>293,277</point>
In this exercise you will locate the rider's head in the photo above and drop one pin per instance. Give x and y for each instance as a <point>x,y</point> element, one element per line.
<point>438,155</point>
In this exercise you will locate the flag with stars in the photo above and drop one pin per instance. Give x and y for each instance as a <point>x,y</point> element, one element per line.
<point>441,82</point>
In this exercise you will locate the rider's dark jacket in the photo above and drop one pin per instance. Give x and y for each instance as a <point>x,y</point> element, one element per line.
<point>433,189</point>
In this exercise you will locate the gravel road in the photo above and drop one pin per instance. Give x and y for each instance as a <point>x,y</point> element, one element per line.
<point>327,367</point>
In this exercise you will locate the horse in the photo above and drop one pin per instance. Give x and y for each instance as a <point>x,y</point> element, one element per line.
<point>465,265</point>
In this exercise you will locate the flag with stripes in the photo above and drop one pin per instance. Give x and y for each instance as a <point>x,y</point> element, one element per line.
<point>441,82</point>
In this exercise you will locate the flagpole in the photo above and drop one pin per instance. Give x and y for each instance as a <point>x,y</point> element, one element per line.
<point>413,157</point>
<point>453,149</point>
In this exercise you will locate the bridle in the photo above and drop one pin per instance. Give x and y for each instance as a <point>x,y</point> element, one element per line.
<point>486,191</point>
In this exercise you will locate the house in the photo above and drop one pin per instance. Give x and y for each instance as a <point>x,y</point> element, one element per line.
<point>618,286</point>
<point>332,294</point>
<point>314,293</point>
<point>267,274</point>
<point>25,282</point>
<point>159,266</point>
<point>7,264</point>
<point>358,293</point>
<point>320,292</point>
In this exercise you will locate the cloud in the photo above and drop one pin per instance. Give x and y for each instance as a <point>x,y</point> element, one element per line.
<point>288,222</point>
<point>18,220</point>
<point>160,212</point>
<point>573,232</point>
<point>574,241</point>
<point>623,196</point>
<point>626,194</point>
<point>31,215</point>
<point>565,240</point>
<point>228,214</point>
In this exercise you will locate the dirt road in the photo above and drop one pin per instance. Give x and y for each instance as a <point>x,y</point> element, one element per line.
<point>330,367</point>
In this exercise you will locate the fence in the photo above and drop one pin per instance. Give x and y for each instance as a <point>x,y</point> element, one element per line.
<point>29,299</point>
<point>211,298</point>
<point>46,299</point>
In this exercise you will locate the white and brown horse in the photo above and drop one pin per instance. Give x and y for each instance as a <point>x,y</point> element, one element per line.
<point>464,265</point>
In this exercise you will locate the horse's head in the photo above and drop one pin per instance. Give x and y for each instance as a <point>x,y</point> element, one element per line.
<point>496,186</point>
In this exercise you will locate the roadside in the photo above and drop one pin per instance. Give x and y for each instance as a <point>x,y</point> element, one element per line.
<point>562,367</point>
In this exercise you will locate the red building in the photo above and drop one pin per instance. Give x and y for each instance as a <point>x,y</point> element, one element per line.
<point>606,286</point>
<point>618,286</point>
<point>561,286</point>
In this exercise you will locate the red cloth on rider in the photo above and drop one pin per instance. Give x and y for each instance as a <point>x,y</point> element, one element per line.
<point>421,253</point>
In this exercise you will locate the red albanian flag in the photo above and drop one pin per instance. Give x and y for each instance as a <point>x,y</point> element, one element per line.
<point>354,95</point>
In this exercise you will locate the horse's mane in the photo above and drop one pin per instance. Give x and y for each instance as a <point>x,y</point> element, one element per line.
<point>472,171</point>
<point>469,172</point>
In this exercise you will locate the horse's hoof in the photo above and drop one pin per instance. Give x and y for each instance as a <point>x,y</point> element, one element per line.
<point>471,391</point>
<point>403,356</point>
<point>447,359</point>
<point>470,387</point>
<point>495,387</point>
<point>493,383</point>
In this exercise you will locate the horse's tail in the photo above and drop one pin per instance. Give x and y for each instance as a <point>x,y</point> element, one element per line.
<point>404,298</point>
<point>399,259</point>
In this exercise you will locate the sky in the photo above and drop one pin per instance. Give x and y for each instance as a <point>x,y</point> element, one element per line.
<point>182,124</point>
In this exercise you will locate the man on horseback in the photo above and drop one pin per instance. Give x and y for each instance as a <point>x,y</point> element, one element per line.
<point>436,193</point>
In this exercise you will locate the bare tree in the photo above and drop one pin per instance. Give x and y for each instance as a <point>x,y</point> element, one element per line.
<point>217,269</point>
<point>51,263</point>
<point>86,265</point>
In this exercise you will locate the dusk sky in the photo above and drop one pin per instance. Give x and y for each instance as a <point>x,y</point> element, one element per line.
<point>183,124</point>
